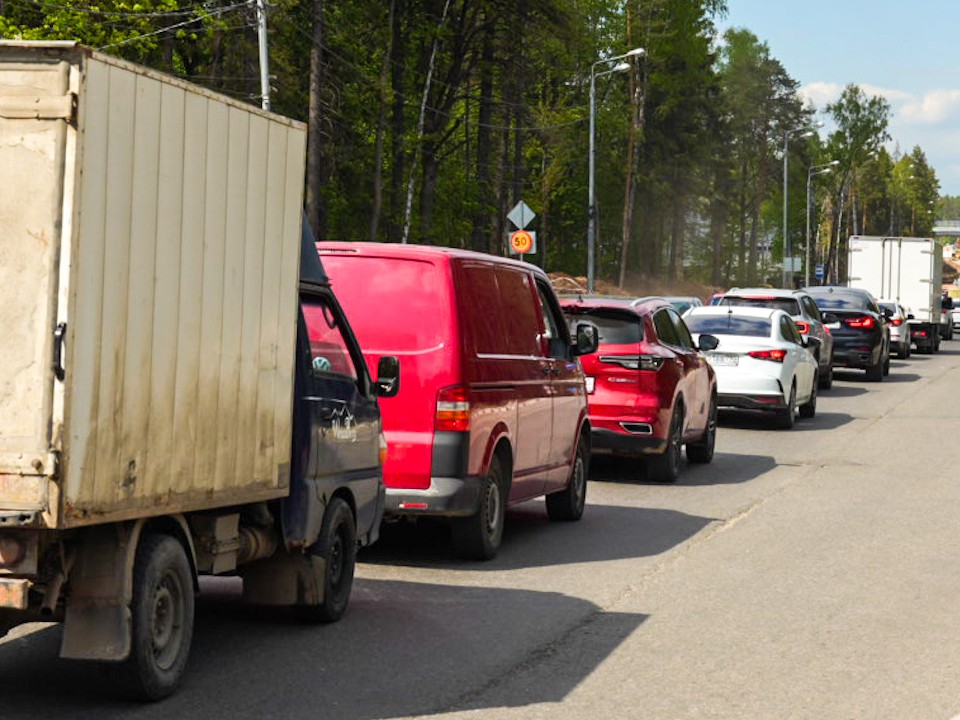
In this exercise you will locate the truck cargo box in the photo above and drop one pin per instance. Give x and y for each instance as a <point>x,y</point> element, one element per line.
<point>149,250</point>
<point>906,269</point>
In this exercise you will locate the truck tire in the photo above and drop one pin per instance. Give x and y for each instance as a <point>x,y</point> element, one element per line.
<point>162,618</point>
<point>337,545</point>
<point>567,505</point>
<point>478,536</point>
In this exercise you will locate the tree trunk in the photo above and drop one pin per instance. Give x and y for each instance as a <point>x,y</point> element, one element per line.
<point>480,236</point>
<point>314,201</point>
<point>397,121</point>
<point>428,191</point>
<point>377,208</point>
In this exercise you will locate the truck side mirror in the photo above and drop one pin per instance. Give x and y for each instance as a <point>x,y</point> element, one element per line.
<point>587,339</point>
<point>388,376</point>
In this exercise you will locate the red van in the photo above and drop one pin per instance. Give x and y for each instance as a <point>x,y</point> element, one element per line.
<point>492,408</point>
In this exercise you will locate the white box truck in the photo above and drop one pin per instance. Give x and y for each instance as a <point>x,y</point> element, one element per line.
<point>906,269</point>
<point>164,412</point>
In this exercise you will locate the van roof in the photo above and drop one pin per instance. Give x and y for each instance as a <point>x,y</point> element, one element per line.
<point>416,252</point>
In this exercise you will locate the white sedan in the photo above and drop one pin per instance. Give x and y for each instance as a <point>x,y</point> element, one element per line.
<point>761,361</point>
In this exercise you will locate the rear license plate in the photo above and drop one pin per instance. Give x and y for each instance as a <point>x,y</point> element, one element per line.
<point>833,326</point>
<point>723,359</point>
<point>591,383</point>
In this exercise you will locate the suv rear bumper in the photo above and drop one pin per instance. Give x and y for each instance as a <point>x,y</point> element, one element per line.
<point>622,443</point>
<point>853,358</point>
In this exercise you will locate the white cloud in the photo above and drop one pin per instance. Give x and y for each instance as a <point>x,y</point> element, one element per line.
<point>934,108</point>
<point>821,94</point>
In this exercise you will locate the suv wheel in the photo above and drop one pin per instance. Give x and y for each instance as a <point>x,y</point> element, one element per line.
<point>826,378</point>
<point>665,467</point>
<point>875,372</point>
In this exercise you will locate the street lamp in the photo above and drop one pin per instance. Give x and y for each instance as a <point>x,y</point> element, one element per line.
<point>592,154</point>
<point>813,170</point>
<point>801,132</point>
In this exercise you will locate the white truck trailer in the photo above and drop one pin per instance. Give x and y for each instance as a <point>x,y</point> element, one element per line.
<point>161,414</point>
<point>906,269</point>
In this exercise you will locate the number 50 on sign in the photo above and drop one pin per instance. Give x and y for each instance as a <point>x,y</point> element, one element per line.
<point>523,242</point>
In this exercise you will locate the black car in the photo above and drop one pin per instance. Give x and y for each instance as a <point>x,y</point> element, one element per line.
<point>861,336</point>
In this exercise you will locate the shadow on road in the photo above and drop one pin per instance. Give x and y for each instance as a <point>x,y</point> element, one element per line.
<point>901,377</point>
<point>844,391</point>
<point>404,648</point>
<point>530,539</point>
<point>726,469</point>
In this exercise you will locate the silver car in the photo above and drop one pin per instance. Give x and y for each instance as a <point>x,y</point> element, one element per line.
<point>897,317</point>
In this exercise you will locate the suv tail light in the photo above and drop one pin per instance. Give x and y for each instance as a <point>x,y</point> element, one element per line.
<point>864,323</point>
<point>453,409</point>
<point>634,362</point>
<point>775,355</point>
<point>803,327</point>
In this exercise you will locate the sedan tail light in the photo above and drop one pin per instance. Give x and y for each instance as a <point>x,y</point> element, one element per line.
<point>865,323</point>
<point>634,362</point>
<point>775,355</point>
<point>453,409</point>
<point>896,322</point>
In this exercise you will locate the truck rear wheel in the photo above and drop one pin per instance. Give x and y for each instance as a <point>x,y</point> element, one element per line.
<point>162,618</point>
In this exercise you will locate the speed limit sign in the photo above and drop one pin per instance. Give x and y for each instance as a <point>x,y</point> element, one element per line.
<point>523,242</point>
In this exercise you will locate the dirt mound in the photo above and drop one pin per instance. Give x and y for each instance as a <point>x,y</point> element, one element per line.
<point>635,287</point>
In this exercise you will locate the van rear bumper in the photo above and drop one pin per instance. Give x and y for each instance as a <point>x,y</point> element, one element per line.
<point>447,496</point>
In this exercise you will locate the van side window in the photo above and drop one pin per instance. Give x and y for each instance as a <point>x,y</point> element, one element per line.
<point>329,350</point>
<point>501,317</point>
<point>555,330</point>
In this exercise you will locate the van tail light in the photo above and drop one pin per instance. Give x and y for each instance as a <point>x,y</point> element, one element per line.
<point>453,409</point>
<point>634,362</point>
<point>862,323</point>
<point>775,355</point>
<point>803,327</point>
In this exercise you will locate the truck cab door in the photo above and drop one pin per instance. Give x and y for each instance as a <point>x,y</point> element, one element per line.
<point>336,424</point>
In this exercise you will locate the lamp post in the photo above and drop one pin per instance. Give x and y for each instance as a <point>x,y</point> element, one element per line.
<point>592,155</point>
<point>802,132</point>
<point>813,170</point>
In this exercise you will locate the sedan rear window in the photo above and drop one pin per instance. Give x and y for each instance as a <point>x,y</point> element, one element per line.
<point>789,305</point>
<point>841,302</point>
<point>728,325</point>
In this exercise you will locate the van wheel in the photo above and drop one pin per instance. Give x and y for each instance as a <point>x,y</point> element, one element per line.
<point>665,467</point>
<point>568,504</point>
<point>162,618</point>
<point>478,536</point>
<point>701,451</point>
<point>337,546</point>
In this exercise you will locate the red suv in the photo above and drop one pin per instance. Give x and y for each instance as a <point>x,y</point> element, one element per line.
<point>492,408</point>
<point>650,391</point>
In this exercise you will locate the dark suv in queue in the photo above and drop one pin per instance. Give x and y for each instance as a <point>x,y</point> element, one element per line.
<point>861,336</point>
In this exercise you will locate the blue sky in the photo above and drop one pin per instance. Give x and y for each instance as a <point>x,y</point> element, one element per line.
<point>907,52</point>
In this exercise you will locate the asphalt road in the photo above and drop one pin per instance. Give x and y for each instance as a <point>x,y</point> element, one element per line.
<point>812,573</point>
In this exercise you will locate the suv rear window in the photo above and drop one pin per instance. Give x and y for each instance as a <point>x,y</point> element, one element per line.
<point>728,325</point>
<point>789,305</point>
<point>836,301</point>
<point>615,328</point>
